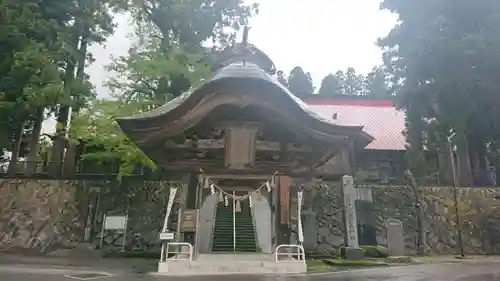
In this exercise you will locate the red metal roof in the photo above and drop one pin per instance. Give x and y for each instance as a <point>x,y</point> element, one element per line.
<point>380,119</point>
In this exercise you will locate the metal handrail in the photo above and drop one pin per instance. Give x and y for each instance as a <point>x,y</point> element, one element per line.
<point>180,244</point>
<point>300,252</point>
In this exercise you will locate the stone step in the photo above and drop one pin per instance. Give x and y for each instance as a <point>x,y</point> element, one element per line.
<point>223,234</point>
<point>184,268</point>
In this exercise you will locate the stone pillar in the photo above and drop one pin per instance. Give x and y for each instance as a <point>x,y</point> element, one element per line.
<point>366,216</point>
<point>349,194</point>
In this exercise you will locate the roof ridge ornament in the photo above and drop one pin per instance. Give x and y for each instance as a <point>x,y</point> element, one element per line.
<point>245,52</point>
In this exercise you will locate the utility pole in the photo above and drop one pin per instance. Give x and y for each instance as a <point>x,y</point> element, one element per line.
<point>455,196</point>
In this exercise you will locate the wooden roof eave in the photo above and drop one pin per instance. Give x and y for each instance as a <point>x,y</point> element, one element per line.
<point>246,78</point>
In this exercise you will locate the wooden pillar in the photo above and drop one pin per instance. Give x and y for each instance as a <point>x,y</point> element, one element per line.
<point>283,210</point>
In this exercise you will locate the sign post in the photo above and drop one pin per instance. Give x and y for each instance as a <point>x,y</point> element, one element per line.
<point>114,223</point>
<point>350,211</point>
<point>299,216</point>
<point>234,221</point>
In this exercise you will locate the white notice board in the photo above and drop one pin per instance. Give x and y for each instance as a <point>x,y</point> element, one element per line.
<point>115,222</point>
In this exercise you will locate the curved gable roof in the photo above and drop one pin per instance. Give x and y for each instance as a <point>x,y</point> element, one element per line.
<point>239,75</point>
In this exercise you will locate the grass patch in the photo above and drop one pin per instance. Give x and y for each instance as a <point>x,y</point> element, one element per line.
<point>355,263</point>
<point>315,266</point>
<point>400,260</point>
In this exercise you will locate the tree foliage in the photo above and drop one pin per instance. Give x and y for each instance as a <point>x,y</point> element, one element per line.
<point>32,45</point>
<point>300,83</point>
<point>95,126</point>
<point>44,46</point>
<point>444,54</point>
<point>377,84</point>
<point>331,85</point>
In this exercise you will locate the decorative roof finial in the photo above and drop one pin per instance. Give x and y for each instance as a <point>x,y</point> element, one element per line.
<point>245,52</point>
<point>244,44</point>
<point>245,35</point>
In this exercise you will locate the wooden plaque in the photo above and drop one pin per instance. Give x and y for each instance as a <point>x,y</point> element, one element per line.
<point>284,199</point>
<point>189,218</point>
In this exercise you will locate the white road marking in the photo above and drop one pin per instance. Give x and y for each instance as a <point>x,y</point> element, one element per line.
<point>363,270</point>
<point>54,271</point>
<point>101,275</point>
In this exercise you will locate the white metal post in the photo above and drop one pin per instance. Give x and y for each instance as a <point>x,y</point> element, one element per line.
<point>102,231</point>
<point>125,232</point>
<point>171,198</point>
<point>234,221</point>
<point>299,216</point>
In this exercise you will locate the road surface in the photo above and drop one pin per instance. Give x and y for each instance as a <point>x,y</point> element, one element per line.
<point>436,272</point>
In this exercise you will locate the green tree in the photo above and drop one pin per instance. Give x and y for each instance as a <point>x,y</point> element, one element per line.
<point>31,37</point>
<point>377,84</point>
<point>443,56</point>
<point>191,22</point>
<point>96,126</point>
<point>331,86</point>
<point>446,57</point>
<point>352,83</point>
<point>300,83</point>
<point>91,22</point>
<point>145,76</point>
<point>167,59</point>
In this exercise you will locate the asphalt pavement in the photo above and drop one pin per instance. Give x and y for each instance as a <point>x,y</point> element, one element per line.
<point>435,272</point>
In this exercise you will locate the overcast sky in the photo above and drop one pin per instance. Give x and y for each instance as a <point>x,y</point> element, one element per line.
<point>321,36</point>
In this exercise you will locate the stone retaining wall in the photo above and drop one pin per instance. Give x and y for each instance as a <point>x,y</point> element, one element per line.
<point>479,212</point>
<point>38,216</point>
<point>42,215</point>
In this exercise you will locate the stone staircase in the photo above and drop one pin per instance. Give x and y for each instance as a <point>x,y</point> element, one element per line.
<point>223,229</point>
<point>220,264</point>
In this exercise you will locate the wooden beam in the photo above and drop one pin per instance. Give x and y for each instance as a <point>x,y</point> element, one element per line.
<point>213,144</point>
<point>239,177</point>
<point>262,170</point>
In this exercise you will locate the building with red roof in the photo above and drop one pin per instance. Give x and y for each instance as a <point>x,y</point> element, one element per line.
<point>382,159</point>
<point>380,119</point>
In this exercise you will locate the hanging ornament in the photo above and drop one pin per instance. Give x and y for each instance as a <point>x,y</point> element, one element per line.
<point>212,189</point>
<point>206,184</point>
<point>250,201</point>
<point>273,183</point>
<point>237,206</point>
<point>220,197</point>
<point>268,186</point>
<point>226,201</point>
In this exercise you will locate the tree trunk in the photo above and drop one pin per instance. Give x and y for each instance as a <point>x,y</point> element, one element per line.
<point>445,164</point>
<point>414,125</point>
<point>62,125</point>
<point>464,170</point>
<point>70,157</point>
<point>12,169</point>
<point>421,243</point>
<point>35,139</point>
<point>57,156</point>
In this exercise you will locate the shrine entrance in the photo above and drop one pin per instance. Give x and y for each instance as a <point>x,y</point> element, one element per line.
<point>234,227</point>
<point>240,145</point>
